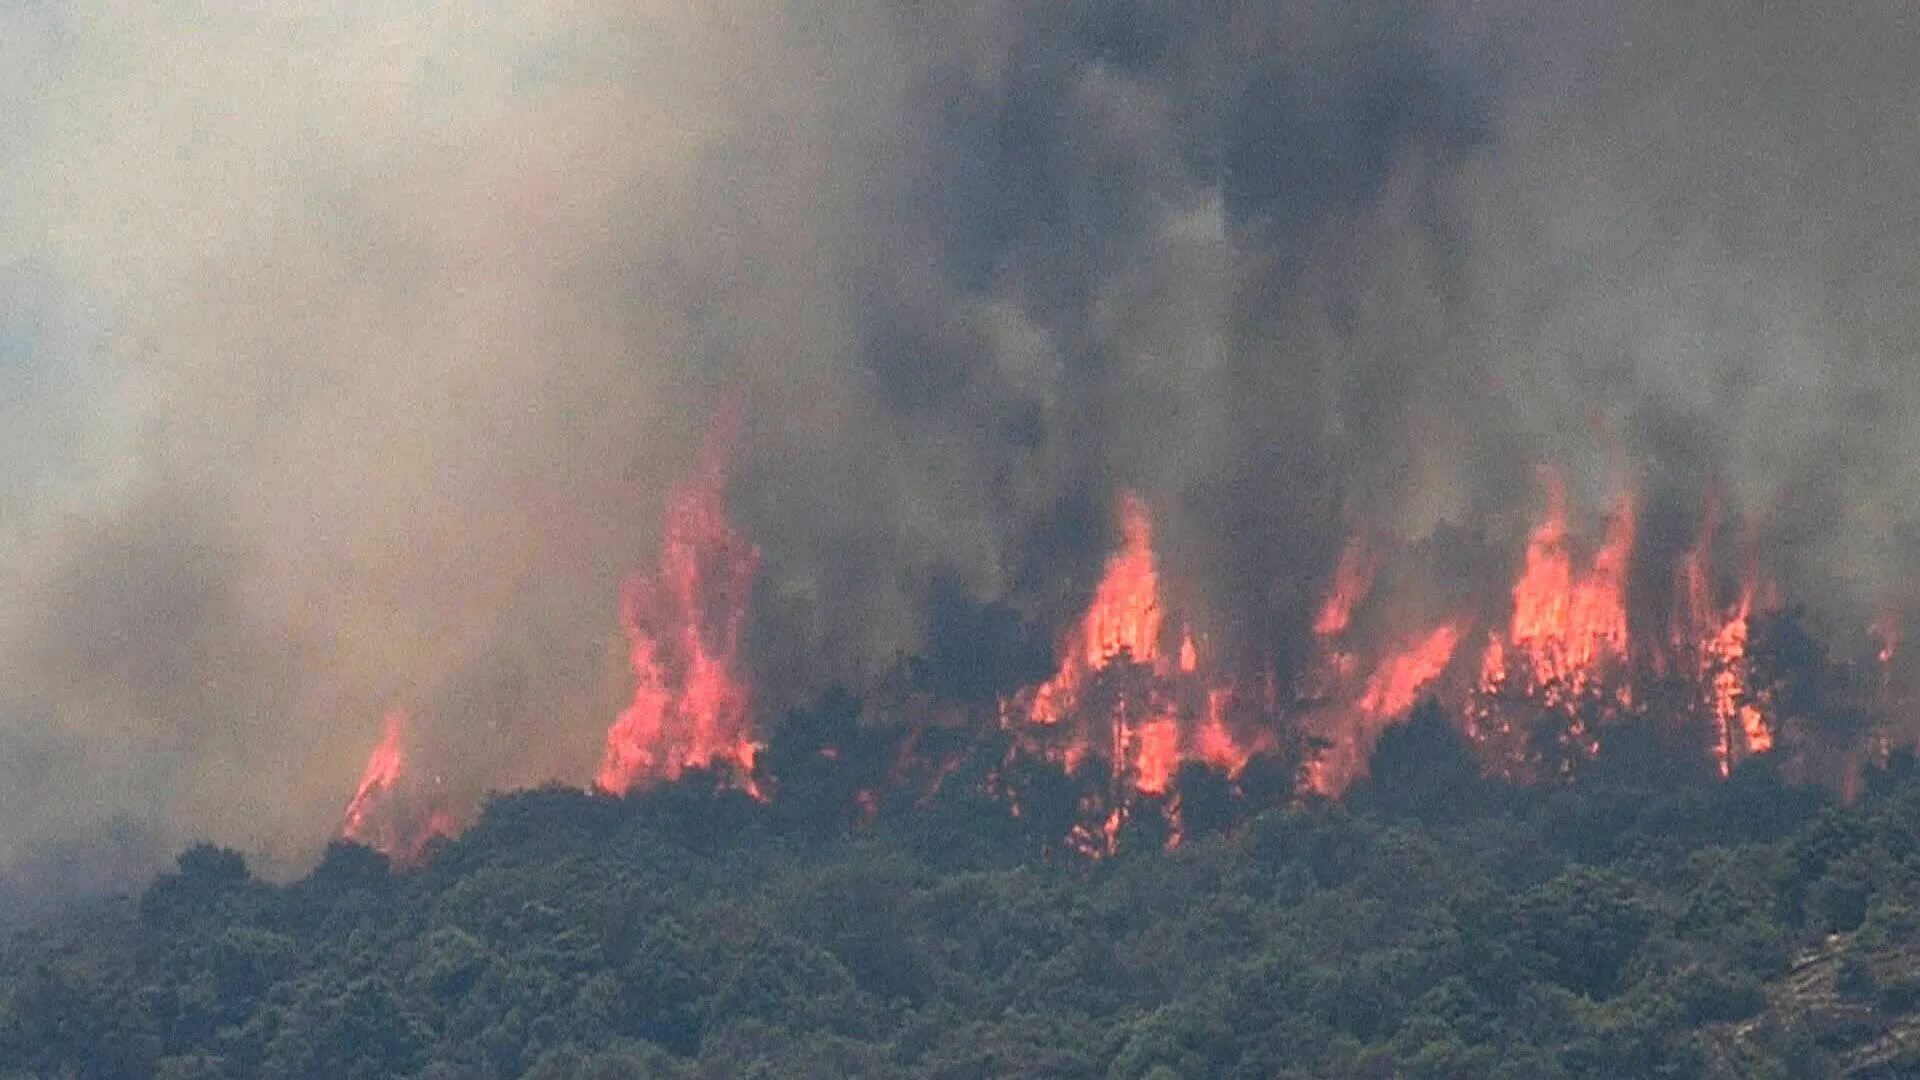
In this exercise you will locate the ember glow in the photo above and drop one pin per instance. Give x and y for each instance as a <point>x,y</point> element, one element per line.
<point>1739,723</point>
<point>1884,632</point>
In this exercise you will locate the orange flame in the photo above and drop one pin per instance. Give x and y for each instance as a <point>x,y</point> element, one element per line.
<point>1123,616</point>
<point>1388,693</point>
<point>1568,636</point>
<point>1158,756</point>
<point>683,625</point>
<point>1352,581</point>
<point>1567,627</point>
<point>1396,683</point>
<point>1717,639</point>
<point>1215,744</point>
<point>380,814</point>
<point>1170,717</point>
<point>1724,663</point>
<point>382,773</point>
<point>1696,617</point>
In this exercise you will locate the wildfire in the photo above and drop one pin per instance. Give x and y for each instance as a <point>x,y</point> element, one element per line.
<point>1123,620</point>
<point>1352,725</point>
<point>1724,663</point>
<point>1214,743</point>
<point>1352,581</point>
<point>1145,719</point>
<point>385,816</point>
<point>1158,743</point>
<point>1696,616</point>
<point>1123,617</point>
<point>683,623</point>
<point>1885,632</point>
<point>1716,639</point>
<point>1137,694</point>
<point>1568,644</point>
<point>689,709</point>
<point>1396,683</point>
<point>1566,627</point>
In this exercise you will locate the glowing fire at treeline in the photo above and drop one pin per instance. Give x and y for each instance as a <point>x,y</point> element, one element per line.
<point>390,812</point>
<point>1136,698</point>
<point>1142,728</point>
<point>690,708</point>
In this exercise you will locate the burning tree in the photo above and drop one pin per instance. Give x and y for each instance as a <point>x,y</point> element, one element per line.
<point>1139,735</point>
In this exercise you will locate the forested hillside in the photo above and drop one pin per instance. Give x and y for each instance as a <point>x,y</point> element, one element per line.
<point>1433,924</point>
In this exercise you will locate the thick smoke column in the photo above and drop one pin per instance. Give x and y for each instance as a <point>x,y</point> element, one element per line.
<point>347,356</point>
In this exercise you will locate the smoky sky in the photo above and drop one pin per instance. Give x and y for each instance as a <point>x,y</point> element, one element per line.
<point>347,356</point>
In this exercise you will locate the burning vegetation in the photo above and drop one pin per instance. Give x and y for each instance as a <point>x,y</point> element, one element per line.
<point>394,810</point>
<point>690,707</point>
<point>1141,729</point>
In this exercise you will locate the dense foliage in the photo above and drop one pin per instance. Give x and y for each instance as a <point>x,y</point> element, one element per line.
<point>1433,924</point>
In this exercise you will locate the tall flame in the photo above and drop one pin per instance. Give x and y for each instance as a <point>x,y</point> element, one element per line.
<point>1735,712</point>
<point>1696,615</point>
<point>1559,669</point>
<point>1156,745</point>
<point>1352,581</point>
<point>1716,638</point>
<point>683,623</point>
<point>1566,626</point>
<point>1124,615</point>
<point>1146,727</point>
<point>1568,642</point>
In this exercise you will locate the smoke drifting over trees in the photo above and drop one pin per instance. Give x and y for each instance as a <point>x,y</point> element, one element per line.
<point>346,357</point>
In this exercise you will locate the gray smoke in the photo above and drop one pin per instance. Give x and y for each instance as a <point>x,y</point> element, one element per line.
<point>346,356</point>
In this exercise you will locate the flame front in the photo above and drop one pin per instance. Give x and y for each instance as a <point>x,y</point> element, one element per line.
<point>1121,696</point>
<point>1352,723</point>
<point>1396,683</point>
<point>1567,628</point>
<point>1736,714</point>
<point>1716,640</point>
<point>683,623</point>
<point>1137,695</point>
<point>1569,647</point>
<point>1123,617</point>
